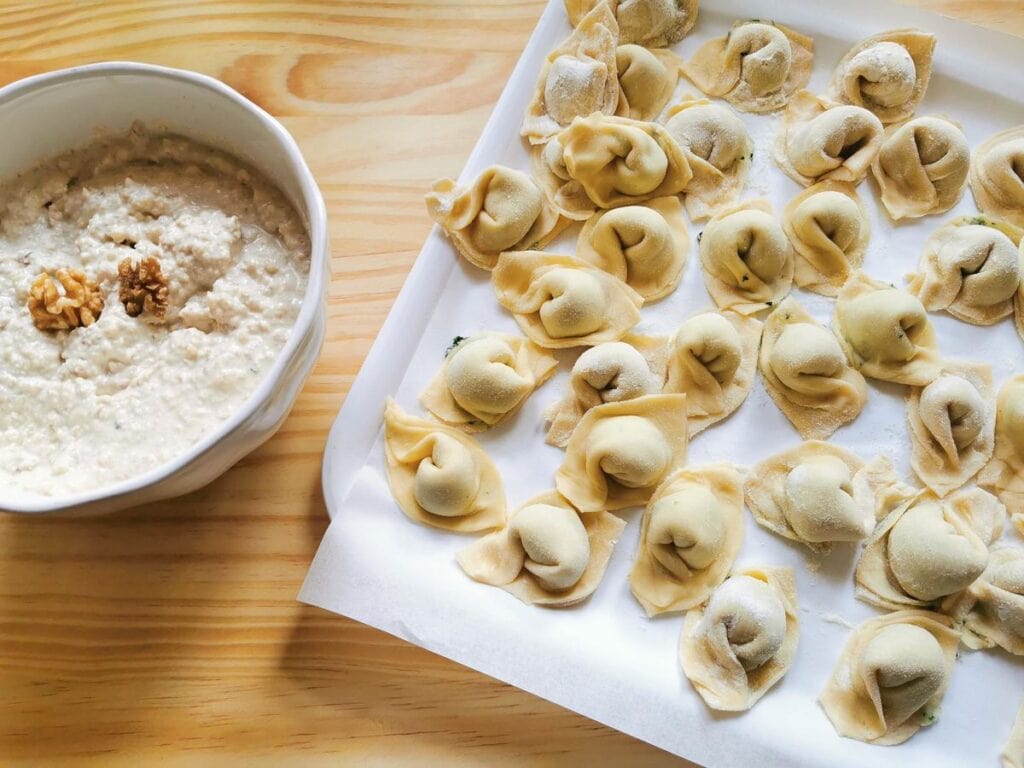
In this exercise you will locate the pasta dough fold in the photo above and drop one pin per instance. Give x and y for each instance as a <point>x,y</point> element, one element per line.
<point>609,162</point>
<point>643,245</point>
<point>829,228</point>
<point>738,645</point>
<point>885,332</point>
<point>547,554</point>
<point>887,73</point>
<point>485,379</point>
<point>756,67</point>
<point>971,268</point>
<point>608,373</point>
<point>925,549</point>
<point>501,210</point>
<point>922,167</point>
<point>816,493</point>
<point>712,360</point>
<point>952,425</point>
<point>647,79</point>
<point>821,140</point>
<point>1004,474</point>
<point>746,258</point>
<point>578,77</point>
<point>562,301</point>
<point>440,476</point>
<point>719,150</point>
<point>807,374</point>
<point>997,176</point>
<point>650,23</point>
<point>891,676</point>
<point>992,608</point>
<point>690,535</point>
<point>620,452</point>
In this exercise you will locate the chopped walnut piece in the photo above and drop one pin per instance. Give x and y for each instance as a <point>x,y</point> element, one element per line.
<point>143,287</point>
<point>65,300</point>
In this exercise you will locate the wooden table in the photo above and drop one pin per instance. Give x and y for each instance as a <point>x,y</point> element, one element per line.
<point>171,632</point>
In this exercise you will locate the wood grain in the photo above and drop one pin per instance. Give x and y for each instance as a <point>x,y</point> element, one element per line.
<point>170,633</point>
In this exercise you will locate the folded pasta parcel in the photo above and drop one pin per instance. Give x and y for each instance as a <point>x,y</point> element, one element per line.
<point>650,23</point>
<point>992,609</point>
<point>620,452</point>
<point>1004,473</point>
<point>885,332</point>
<point>824,141</point>
<point>995,176</point>
<point>756,67</point>
<point>887,73</point>
<point>562,301</point>
<point>643,245</point>
<point>578,77</point>
<point>439,475</point>
<point>712,359</point>
<point>646,80</point>
<point>547,554</point>
<point>691,532</point>
<point>971,268</point>
<point>585,167</point>
<point>746,258</point>
<point>502,209</point>
<point>608,373</point>
<point>719,150</point>
<point>829,228</point>
<point>891,676</point>
<point>807,374</point>
<point>922,167</point>
<point>816,493</point>
<point>924,550</point>
<point>742,642</point>
<point>485,379</point>
<point>952,425</point>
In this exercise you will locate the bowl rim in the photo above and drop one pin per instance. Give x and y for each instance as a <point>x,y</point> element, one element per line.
<point>313,302</point>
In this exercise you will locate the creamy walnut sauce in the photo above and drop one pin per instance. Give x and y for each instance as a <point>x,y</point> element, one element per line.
<point>103,402</point>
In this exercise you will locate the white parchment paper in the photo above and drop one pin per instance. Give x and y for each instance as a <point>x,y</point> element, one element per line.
<point>605,659</point>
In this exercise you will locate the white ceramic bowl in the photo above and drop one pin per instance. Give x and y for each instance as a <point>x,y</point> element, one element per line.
<point>45,115</point>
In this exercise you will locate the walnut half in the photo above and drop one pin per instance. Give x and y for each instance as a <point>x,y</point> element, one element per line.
<point>64,300</point>
<point>143,287</point>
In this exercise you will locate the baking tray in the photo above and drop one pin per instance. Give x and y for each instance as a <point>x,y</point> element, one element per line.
<point>604,658</point>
